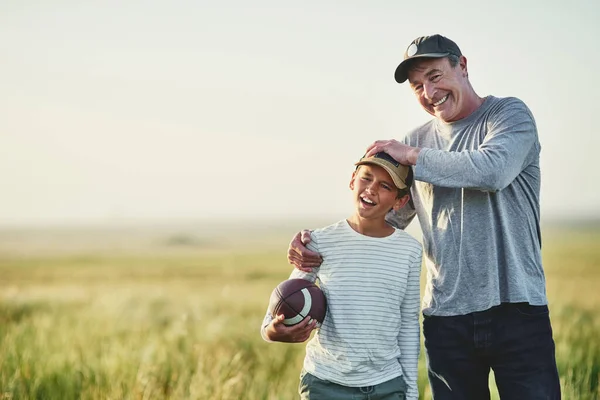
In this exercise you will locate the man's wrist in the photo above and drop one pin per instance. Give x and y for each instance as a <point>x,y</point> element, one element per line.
<point>413,155</point>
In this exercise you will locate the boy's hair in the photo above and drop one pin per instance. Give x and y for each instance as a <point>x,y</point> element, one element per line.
<point>408,181</point>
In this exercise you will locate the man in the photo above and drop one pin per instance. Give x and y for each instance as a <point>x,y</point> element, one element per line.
<point>476,194</point>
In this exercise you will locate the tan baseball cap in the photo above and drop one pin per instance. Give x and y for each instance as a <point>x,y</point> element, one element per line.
<point>397,171</point>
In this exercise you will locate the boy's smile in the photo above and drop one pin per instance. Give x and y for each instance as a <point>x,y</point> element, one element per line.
<point>366,201</point>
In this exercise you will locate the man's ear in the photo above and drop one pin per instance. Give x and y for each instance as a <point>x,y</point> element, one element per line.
<point>401,202</point>
<point>462,63</point>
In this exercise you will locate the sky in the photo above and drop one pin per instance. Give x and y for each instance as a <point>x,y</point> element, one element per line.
<point>185,110</point>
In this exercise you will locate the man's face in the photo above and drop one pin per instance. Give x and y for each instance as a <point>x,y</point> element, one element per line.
<point>441,89</point>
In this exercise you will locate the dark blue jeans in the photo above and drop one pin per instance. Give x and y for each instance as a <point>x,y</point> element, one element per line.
<point>513,339</point>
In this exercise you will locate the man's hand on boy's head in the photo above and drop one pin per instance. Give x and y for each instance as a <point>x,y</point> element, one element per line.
<point>299,256</point>
<point>276,331</point>
<point>400,152</point>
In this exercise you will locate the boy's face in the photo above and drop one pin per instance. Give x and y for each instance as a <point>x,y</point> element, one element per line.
<point>374,192</point>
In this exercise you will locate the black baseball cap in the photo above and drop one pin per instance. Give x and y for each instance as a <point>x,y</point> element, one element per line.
<point>434,46</point>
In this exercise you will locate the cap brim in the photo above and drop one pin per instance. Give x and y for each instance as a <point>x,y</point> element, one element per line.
<point>397,181</point>
<point>401,74</point>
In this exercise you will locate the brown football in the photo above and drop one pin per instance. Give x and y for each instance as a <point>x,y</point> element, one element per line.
<point>296,299</point>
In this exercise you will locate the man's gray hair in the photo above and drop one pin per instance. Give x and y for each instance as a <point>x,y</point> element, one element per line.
<point>453,59</point>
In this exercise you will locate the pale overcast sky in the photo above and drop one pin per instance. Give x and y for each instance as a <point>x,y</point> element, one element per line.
<point>194,109</point>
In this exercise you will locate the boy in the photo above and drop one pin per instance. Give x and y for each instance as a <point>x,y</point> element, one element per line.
<point>368,345</point>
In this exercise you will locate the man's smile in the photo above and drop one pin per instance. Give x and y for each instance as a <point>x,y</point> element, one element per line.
<point>440,101</point>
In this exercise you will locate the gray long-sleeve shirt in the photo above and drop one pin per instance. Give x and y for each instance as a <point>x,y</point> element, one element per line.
<point>476,194</point>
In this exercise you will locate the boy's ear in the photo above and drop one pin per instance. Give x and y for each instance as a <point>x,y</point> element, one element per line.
<point>352,181</point>
<point>401,202</point>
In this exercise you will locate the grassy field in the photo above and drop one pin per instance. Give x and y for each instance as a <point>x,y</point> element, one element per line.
<point>175,314</point>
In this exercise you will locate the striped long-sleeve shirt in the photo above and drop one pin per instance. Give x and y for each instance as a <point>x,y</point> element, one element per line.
<point>371,331</point>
